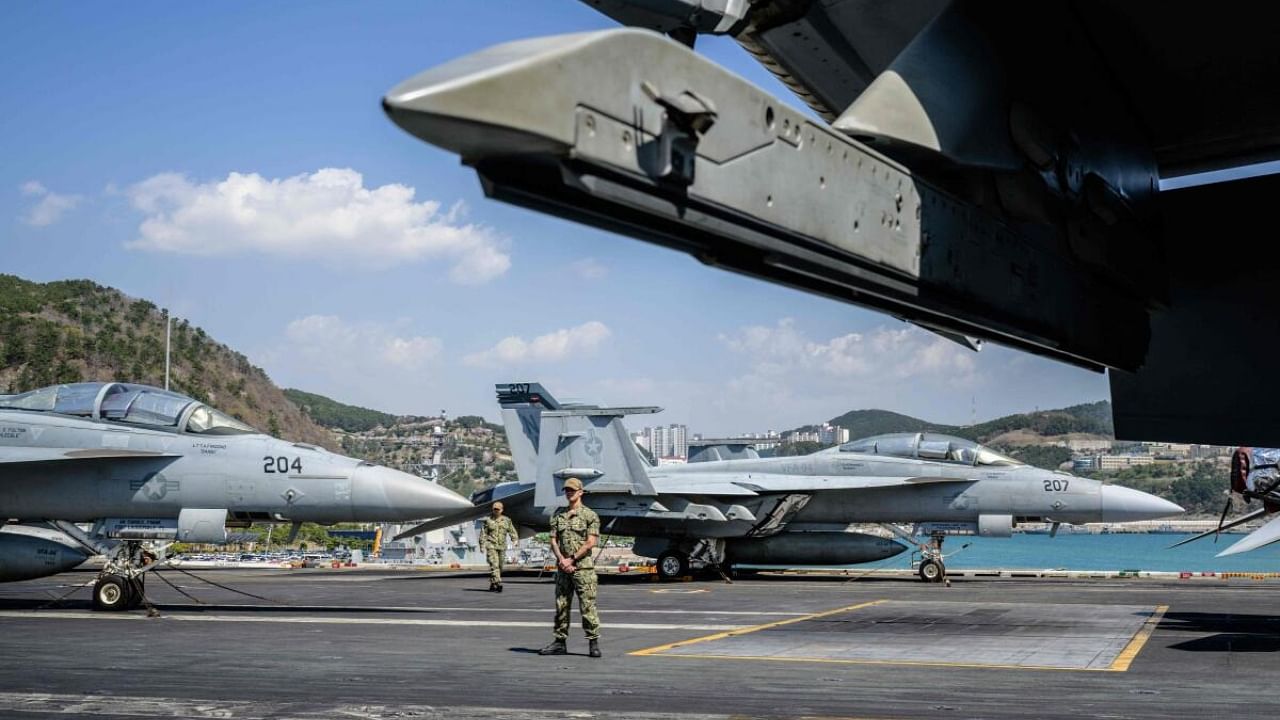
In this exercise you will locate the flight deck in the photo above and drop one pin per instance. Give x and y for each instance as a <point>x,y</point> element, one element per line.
<point>379,644</point>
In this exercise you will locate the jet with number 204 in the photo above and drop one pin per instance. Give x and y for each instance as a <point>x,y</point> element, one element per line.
<point>144,464</point>
<point>730,506</point>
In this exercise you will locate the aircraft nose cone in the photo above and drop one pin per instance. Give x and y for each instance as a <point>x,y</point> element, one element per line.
<point>394,495</point>
<point>1122,504</point>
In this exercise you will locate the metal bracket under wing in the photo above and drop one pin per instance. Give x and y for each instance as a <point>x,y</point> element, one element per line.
<point>565,125</point>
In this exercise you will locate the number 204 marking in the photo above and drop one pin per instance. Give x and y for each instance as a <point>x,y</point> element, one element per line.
<point>1055,485</point>
<point>281,464</point>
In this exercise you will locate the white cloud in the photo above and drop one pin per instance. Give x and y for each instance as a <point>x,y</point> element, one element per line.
<point>589,269</point>
<point>882,353</point>
<point>51,206</point>
<point>333,343</point>
<point>552,347</point>
<point>328,214</point>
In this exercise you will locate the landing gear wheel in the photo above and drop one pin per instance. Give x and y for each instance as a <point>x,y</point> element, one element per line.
<point>112,592</point>
<point>932,571</point>
<point>672,565</point>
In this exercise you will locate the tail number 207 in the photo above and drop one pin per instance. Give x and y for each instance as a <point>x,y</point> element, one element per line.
<point>1055,485</point>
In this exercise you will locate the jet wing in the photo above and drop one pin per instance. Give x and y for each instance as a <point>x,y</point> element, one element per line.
<point>20,455</point>
<point>1263,536</point>
<point>759,483</point>
<point>463,515</point>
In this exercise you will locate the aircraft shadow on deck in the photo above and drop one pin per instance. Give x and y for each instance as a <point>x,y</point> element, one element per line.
<point>1231,632</point>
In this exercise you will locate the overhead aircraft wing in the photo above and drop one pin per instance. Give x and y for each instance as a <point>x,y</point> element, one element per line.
<point>1261,537</point>
<point>20,455</point>
<point>463,515</point>
<point>760,483</point>
<point>1026,200</point>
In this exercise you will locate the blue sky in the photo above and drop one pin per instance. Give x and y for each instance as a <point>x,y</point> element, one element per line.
<point>231,161</point>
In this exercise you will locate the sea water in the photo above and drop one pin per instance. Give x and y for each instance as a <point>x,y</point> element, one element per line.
<point>1079,551</point>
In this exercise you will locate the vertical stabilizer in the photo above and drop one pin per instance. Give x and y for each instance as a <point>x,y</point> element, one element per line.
<point>522,408</point>
<point>592,445</point>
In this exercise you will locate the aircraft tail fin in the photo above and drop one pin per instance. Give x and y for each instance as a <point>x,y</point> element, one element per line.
<point>522,407</point>
<point>593,445</point>
<point>552,442</point>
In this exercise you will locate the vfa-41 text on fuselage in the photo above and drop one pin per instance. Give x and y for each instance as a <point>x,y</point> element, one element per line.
<point>145,464</point>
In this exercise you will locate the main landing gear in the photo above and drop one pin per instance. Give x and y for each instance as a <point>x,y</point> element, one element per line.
<point>122,583</point>
<point>932,568</point>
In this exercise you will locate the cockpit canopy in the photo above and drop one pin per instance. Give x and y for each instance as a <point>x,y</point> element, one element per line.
<point>929,446</point>
<point>128,403</point>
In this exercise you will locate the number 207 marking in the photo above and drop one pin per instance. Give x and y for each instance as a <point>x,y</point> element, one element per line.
<point>281,464</point>
<point>1055,485</point>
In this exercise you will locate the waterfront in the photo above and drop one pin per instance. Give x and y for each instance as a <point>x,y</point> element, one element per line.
<point>1078,551</point>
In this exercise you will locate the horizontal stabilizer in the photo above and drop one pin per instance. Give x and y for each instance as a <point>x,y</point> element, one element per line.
<point>16,455</point>
<point>1263,536</point>
<point>463,515</point>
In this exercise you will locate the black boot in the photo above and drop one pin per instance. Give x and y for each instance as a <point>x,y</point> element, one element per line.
<point>555,648</point>
<point>593,648</point>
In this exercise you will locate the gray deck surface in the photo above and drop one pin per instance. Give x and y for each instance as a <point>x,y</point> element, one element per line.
<point>377,644</point>
<point>1064,636</point>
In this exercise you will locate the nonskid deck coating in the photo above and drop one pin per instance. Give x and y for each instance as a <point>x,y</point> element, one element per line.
<point>957,634</point>
<point>393,645</point>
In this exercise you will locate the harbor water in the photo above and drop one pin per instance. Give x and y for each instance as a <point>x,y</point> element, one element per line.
<point>1080,551</point>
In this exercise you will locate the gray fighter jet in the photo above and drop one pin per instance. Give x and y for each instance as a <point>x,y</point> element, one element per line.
<point>144,464</point>
<point>787,510</point>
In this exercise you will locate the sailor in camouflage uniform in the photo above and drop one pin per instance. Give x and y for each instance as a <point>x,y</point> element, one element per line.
<point>493,540</point>
<point>575,530</point>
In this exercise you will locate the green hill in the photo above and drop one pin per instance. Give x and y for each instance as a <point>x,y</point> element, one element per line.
<point>1090,418</point>
<point>78,330</point>
<point>335,415</point>
<point>865,423</point>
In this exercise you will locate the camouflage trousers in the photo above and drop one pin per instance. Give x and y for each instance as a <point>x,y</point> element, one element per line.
<point>583,584</point>
<point>495,558</point>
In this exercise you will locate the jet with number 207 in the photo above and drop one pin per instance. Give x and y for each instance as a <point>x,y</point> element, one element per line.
<point>730,506</point>
<point>144,464</point>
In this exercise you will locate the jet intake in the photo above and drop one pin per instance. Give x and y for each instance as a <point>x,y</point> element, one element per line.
<point>1000,526</point>
<point>817,548</point>
<point>25,557</point>
<point>202,526</point>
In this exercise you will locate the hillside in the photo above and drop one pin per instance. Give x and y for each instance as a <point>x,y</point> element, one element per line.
<point>77,330</point>
<point>1092,419</point>
<point>339,416</point>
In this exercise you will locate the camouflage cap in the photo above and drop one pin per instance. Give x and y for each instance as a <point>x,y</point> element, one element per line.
<point>572,484</point>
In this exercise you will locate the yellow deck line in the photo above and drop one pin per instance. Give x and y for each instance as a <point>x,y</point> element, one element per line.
<point>1120,664</point>
<point>753,628</point>
<point>1126,656</point>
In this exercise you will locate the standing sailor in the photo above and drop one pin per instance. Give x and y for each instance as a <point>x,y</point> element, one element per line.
<point>575,530</point>
<point>493,540</point>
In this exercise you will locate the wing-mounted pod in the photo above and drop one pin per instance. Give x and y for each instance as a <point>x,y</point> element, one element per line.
<point>630,131</point>
<point>592,445</point>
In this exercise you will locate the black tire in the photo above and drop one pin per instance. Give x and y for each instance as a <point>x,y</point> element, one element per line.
<point>932,571</point>
<point>112,593</point>
<point>672,565</point>
<point>137,591</point>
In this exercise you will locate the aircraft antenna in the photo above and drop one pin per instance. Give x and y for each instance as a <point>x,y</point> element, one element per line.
<point>168,326</point>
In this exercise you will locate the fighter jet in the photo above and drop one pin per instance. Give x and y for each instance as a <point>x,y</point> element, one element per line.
<point>787,510</point>
<point>145,464</point>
